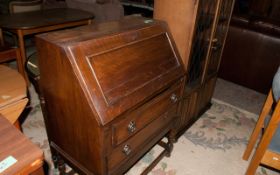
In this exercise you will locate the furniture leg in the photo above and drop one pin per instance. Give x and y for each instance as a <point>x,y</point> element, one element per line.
<point>261,149</point>
<point>20,64</point>
<point>89,21</point>
<point>55,160</point>
<point>166,152</point>
<point>61,166</point>
<point>1,38</point>
<point>259,126</point>
<point>22,53</point>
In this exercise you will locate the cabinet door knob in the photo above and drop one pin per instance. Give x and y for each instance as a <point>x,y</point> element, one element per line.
<point>131,127</point>
<point>126,150</point>
<point>214,40</point>
<point>216,46</point>
<point>174,98</point>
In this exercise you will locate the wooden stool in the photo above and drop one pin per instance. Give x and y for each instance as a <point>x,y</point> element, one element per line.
<point>12,94</point>
<point>16,146</point>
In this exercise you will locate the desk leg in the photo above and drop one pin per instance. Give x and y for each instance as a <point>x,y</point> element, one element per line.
<point>23,54</point>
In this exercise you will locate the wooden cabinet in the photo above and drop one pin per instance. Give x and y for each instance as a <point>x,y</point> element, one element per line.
<point>110,92</point>
<point>199,28</point>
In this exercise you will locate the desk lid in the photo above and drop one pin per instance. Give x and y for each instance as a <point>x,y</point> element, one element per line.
<point>12,86</point>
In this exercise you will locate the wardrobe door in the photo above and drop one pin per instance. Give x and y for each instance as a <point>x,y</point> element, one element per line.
<point>205,21</point>
<point>220,33</point>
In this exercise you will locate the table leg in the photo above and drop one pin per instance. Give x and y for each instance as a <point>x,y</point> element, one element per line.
<point>23,54</point>
<point>1,38</point>
<point>20,64</point>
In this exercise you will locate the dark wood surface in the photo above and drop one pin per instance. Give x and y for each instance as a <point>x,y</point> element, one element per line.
<point>13,143</point>
<point>110,92</point>
<point>199,29</point>
<point>30,23</point>
<point>42,18</point>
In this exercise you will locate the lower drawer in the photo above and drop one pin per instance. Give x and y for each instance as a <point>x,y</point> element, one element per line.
<point>126,150</point>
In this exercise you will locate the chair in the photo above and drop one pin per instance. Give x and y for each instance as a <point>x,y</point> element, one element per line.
<point>19,6</point>
<point>268,149</point>
<point>25,6</point>
<point>8,53</point>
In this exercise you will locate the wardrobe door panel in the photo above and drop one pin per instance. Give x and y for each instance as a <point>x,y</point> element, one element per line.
<point>220,33</point>
<point>202,36</point>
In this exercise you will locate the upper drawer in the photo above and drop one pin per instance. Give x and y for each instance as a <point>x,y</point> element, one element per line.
<point>123,69</point>
<point>136,120</point>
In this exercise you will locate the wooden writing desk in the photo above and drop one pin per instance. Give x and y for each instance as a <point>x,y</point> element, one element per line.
<point>13,143</point>
<point>28,23</point>
<point>12,93</point>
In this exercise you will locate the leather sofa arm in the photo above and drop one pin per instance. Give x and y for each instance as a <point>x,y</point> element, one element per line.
<point>265,26</point>
<point>251,54</point>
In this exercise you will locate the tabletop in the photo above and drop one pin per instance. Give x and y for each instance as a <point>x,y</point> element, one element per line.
<point>12,86</point>
<point>48,17</point>
<point>27,157</point>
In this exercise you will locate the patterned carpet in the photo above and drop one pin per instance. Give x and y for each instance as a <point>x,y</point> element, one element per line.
<point>213,145</point>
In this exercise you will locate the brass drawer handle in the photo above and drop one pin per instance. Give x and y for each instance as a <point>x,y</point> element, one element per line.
<point>126,150</point>
<point>174,98</point>
<point>131,126</point>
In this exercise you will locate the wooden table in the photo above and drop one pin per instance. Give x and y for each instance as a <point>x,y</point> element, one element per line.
<point>29,23</point>
<point>12,93</point>
<point>13,143</point>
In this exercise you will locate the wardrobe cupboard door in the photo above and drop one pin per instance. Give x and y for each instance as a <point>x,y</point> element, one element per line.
<point>219,36</point>
<point>206,14</point>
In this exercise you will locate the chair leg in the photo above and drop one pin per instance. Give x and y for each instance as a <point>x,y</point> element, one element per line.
<point>266,138</point>
<point>259,125</point>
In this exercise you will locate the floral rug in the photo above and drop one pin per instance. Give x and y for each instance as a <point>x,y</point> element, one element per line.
<point>213,145</point>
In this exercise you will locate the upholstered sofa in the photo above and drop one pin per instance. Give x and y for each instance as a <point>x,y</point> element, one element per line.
<point>252,53</point>
<point>104,10</point>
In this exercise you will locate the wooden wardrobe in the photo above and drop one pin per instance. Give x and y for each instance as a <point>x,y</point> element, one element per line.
<point>199,28</point>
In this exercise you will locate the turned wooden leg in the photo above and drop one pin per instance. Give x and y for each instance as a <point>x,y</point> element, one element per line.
<point>61,167</point>
<point>171,140</point>
<point>55,160</point>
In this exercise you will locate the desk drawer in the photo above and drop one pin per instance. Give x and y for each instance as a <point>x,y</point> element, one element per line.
<point>130,147</point>
<point>138,119</point>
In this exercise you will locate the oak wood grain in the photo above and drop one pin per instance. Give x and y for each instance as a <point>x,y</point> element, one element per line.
<point>13,143</point>
<point>96,79</point>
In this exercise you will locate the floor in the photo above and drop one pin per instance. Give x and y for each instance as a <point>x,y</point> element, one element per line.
<point>239,96</point>
<point>226,92</point>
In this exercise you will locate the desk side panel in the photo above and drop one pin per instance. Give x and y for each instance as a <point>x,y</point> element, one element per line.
<point>70,121</point>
